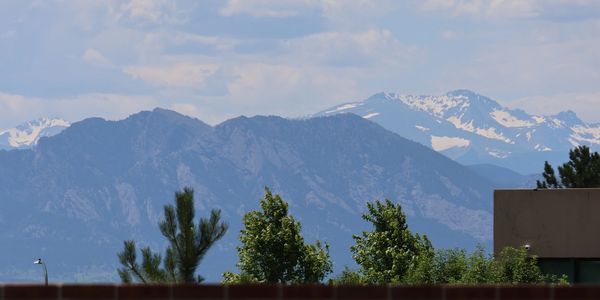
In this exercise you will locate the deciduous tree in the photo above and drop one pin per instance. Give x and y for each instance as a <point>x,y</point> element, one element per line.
<point>386,253</point>
<point>273,250</point>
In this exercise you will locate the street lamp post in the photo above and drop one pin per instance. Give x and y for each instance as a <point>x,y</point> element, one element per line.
<point>40,262</point>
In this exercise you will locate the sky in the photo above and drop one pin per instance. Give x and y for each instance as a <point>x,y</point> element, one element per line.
<point>219,59</point>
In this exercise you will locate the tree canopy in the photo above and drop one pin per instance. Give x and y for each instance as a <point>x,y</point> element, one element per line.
<point>581,171</point>
<point>390,253</point>
<point>188,245</point>
<point>386,253</point>
<point>454,266</point>
<point>273,250</point>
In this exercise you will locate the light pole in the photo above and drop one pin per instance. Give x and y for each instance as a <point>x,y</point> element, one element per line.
<point>40,262</point>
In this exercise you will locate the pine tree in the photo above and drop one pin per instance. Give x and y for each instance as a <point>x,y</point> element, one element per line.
<point>273,250</point>
<point>188,245</point>
<point>581,171</point>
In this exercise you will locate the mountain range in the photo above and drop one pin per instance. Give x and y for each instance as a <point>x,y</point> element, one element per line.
<point>463,125</point>
<point>474,129</point>
<point>75,196</point>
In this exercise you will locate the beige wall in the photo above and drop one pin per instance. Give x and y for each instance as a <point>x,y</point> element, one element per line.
<point>555,222</point>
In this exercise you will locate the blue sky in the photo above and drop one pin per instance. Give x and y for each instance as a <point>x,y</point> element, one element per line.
<point>219,59</point>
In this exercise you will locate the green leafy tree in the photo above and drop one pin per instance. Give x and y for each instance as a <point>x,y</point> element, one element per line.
<point>348,277</point>
<point>479,267</point>
<point>390,253</point>
<point>581,171</point>
<point>386,253</point>
<point>438,267</point>
<point>188,243</point>
<point>423,269</point>
<point>453,266</point>
<point>450,265</point>
<point>514,265</point>
<point>273,250</point>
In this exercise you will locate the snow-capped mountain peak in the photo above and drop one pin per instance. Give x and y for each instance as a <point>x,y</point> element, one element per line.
<point>28,134</point>
<point>568,117</point>
<point>472,128</point>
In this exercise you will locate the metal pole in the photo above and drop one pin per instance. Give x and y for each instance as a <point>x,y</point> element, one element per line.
<point>45,273</point>
<point>41,262</point>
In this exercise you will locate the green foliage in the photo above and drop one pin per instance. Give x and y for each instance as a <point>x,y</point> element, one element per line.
<point>423,270</point>
<point>390,253</point>
<point>581,171</point>
<point>455,267</point>
<point>273,250</point>
<point>450,265</point>
<point>188,245</point>
<point>386,253</point>
<point>348,277</point>
<point>479,268</point>
<point>513,265</point>
<point>440,267</point>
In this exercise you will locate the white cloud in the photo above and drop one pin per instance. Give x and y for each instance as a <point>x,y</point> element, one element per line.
<point>449,35</point>
<point>492,8</point>
<point>16,109</point>
<point>14,104</point>
<point>359,14</point>
<point>547,9</point>
<point>183,38</point>
<point>94,57</point>
<point>179,75</point>
<point>286,90</point>
<point>351,49</point>
<point>151,11</point>
<point>550,60</point>
<point>338,11</point>
<point>266,8</point>
<point>186,109</point>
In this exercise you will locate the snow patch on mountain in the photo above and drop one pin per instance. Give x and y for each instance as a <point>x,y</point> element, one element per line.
<point>370,115</point>
<point>436,105</point>
<point>441,143</point>
<point>456,121</point>
<point>539,147</point>
<point>28,134</point>
<point>529,134</point>
<point>586,135</point>
<point>538,119</point>
<point>344,107</point>
<point>505,119</point>
<point>498,153</point>
<point>492,134</point>
<point>485,132</point>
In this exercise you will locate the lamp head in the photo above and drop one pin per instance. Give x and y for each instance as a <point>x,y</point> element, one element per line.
<point>38,261</point>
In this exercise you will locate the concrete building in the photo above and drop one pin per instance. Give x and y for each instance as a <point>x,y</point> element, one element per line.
<point>560,226</point>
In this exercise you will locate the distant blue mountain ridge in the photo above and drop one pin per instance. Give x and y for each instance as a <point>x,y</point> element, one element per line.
<point>74,197</point>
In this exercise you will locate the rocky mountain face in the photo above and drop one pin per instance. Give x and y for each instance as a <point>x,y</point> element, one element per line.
<point>76,196</point>
<point>473,129</point>
<point>28,134</point>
